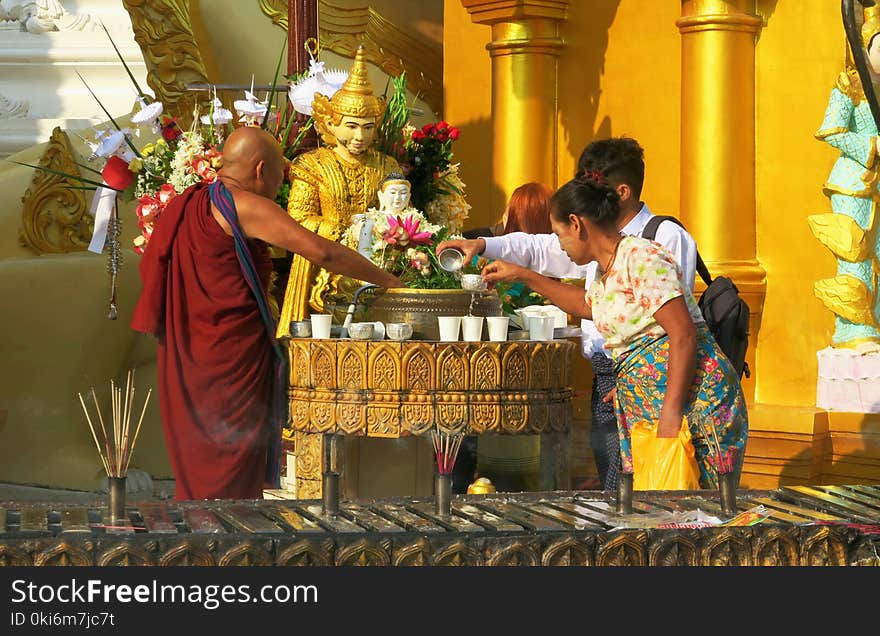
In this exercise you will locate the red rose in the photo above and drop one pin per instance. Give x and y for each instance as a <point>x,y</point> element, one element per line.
<point>170,131</point>
<point>453,134</point>
<point>116,173</point>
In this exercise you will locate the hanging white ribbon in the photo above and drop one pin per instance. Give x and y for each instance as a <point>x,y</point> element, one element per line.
<point>102,208</point>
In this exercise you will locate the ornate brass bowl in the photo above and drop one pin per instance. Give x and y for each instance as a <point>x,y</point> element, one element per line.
<point>421,307</point>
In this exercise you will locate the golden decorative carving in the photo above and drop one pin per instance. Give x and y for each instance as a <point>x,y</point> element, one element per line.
<point>485,413</point>
<point>383,421</point>
<point>417,413</point>
<point>352,373</point>
<point>351,413</point>
<point>414,554</point>
<point>726,548</point>
<point>626,548</point>
<point>125,554</point>
<point>458,554</point>
<point>452,367</point>
<point>568,551</point>
<point>677,549</point>
<point>308,456</point>
<point>342,28</point>
<point>775,547</point>
<point>384,365</point>
<point>362,553</point>
<point>515,554</point>
<point>300,399</point>
<point>823,547</point>
<point>54,216</point>
<point>304,553</point>
<point>514,415</point>
<point>300,356</point>
<point>10,556</point>
<point>451,411</point>
<point>186,554</point>
<point>308,488</point>
<point>418,367</point>
<point>539,368</point>
<point>867,553</point>
<point>515,364</point>
<point>163,30</point>
<point>63,553</point>
<point>322,411</point>
<point>323,365</point>
<point>486,367</point>
<point>245,554</point>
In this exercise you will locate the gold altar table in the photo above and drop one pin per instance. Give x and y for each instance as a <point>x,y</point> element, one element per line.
<point>390,389</point>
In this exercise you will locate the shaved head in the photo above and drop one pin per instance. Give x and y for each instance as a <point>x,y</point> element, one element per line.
<point>252,158</point>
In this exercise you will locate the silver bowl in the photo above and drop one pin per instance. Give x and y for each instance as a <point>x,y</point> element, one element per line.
<point>301,328</point>
<point>360,330</point>
<point>399,330</point>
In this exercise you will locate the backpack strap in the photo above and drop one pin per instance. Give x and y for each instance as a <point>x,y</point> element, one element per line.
<point>650,232</point>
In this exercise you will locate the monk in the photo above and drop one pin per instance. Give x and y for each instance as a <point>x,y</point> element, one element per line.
<point>222,377</point>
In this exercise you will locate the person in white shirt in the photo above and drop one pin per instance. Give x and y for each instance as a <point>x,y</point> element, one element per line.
<point>620,161</point>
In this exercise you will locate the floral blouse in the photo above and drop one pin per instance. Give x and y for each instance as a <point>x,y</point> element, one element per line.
<point>642,278</point>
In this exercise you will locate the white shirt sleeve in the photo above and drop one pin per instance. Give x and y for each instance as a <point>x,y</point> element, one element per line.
<point>538,252</point>
<point>682,246</point>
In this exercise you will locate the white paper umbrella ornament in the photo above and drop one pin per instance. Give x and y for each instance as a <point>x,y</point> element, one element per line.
<point>110,144</point>
<point>302,93</point>
<point>148,114</point>
<point>221,116</point>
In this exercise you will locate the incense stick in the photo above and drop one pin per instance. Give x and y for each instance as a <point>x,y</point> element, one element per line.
<point>118,443</point>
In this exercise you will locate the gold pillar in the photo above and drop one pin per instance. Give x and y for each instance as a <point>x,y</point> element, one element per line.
<point>718,144</point>
<point>524,49</point>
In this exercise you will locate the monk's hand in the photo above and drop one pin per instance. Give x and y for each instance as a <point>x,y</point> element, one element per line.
<point>498,271</point>
<point>670,423</point>
<point>468,247</point>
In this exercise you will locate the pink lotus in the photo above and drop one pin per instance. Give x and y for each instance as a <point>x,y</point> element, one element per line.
<point>402,232</point>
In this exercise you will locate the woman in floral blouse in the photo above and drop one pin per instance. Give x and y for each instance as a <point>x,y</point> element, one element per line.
<point>669,365</point>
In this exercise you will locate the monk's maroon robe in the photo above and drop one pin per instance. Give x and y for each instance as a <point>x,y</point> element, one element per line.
<point>214,356</point>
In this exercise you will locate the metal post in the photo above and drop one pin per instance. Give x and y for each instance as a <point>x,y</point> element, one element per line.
<point>625,494</point>
<point>330,477</point>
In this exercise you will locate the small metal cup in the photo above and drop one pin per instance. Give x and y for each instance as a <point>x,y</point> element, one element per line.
<point>451,259</point>
<point>301,328</point>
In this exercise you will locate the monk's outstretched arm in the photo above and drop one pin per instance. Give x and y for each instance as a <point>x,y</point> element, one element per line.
<point>262,219</point>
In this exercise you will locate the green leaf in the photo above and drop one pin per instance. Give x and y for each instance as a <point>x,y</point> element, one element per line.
<point>62,174</point>
<point>109,116</point>
<point>121,59</point>
<point>265,123</point>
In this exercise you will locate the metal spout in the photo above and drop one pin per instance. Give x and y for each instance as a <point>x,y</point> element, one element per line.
<point>349,314</point>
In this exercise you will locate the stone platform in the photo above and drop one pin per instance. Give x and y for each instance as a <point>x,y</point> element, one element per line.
<point>808,525</point>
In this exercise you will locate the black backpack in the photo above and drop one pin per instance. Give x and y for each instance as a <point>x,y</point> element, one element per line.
<point>725,313</point>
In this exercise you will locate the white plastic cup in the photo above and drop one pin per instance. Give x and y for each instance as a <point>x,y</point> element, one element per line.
<point>321,325</point>
<point>497,328</point>
<point>541,328</point>
<point>472,328</point>
<point>449,327</point>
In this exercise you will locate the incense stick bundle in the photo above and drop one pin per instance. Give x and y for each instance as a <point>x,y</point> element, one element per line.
<point>118,445</point>
<point>446,447</point>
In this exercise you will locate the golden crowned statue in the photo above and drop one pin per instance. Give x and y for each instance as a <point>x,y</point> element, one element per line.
<point>332,183</point>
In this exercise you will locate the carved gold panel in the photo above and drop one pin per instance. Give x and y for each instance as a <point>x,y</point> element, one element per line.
<point>300,362</point>
<point>727,548</point>
<point>539,371</point>
<point>539,413</point>
<point>452,367</point>
<point>625,548</point>
<point>560,363</point>
<point>245,554</point>
<point>418,367</point>
<point>674,549</point>
<point>383,415</point>
<point>163,30</point>
<point>775,547</point>
<point>125,554</point>
<point>351,413</point>
<point>10,556</point>
<point>308,488</point>
<point>54,216</point>
<point>568,551</point>
<point>485,367</point>
<point>322,411</point>
<point>305,553</point>
<point>362,553</point>
<point>308,456</point>
<point>485,413</point>
<point>323,364</point>
<point>299,408</point>
<point>417,412</point>
<point>458,554</point>
<point>352,370</point>
<point>384,366</point>
<point>417,553</point>
<point>186,554</point>
<point>452,411</point>
<point>514,554</point>
<point>515,414</point>
<point>61,554</point>
<point>823,547</point>
<point>515,368</point>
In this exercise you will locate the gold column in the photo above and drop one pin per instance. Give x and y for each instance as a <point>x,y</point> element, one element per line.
<point>718,143</point>
<point>524,49</point>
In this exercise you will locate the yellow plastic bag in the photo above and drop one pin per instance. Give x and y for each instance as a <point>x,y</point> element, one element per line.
<point>663,463</point>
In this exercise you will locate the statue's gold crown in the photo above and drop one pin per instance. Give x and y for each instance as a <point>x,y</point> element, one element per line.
<point>871,25</point>
<point>356,98</point>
